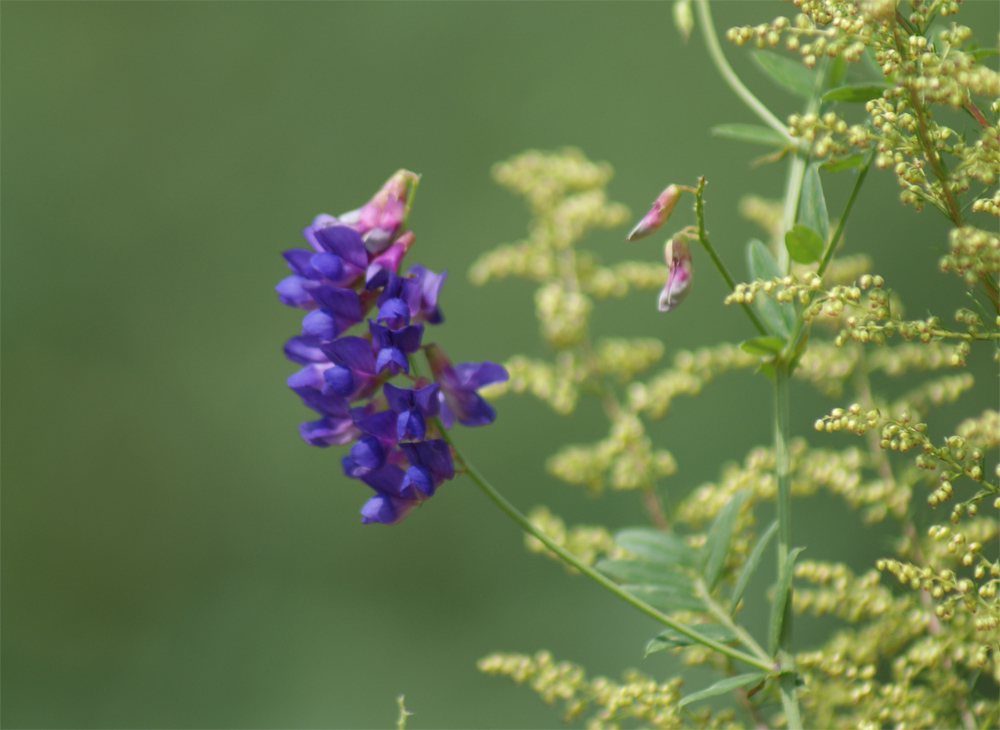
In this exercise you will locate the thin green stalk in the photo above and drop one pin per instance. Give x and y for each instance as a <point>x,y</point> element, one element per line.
<point>715,52</point>
<point>786,659</point>
<point>793,190</point>
<point>699,209</point>
<point>568,557</point>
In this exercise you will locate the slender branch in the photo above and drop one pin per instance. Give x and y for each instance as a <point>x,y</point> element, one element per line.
<point>719,59</point>
<point>786,659</point>
<point>699,209</point>
<point>831,245</point>
<point>573,560</point>
<point>793,189</point>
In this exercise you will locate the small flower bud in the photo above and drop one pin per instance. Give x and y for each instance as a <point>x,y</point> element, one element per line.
<point>678,257</point>
<point>663,206</point>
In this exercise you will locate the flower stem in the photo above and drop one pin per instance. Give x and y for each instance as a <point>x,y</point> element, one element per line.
<point>786,659</point>
<point>719,59</point>
<point>568,557</point>
<point>699,209</point>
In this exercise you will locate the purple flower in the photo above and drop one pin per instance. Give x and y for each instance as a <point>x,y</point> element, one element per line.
<point>353,372</point>
<point>412,407</point>
<point>392,345</point>
<point>430,287</point>
<point>680,273</point>
<point>388,261</point>
<point>459,384</point>
<point>663,206</point>
<point>304,349</point>
<point>430,465</point>
<point>386,509</point>
<point>339,310</point>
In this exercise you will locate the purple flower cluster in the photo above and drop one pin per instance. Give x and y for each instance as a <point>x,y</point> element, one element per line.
<point>350,272</point>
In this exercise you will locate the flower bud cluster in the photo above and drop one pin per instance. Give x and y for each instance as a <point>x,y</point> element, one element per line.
<point>625,459</point>
<point>555,384</point>
<point>398,449</point>
<point>841,593</point>
<point>587,542</point>
<point>972,254</point>
<point>637,698</point>
<point>690,373</point>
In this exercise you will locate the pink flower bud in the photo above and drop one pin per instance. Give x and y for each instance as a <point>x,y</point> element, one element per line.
<point>678,284</point>
<point>663,206</point>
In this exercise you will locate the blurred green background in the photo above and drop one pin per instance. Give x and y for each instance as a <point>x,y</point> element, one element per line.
<point>173,554</point>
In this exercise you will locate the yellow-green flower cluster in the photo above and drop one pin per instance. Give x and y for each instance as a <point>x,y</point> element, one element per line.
<point>972,254</point>
<point>587,542</point>
<point>625,459</point>
<point>636,698</point>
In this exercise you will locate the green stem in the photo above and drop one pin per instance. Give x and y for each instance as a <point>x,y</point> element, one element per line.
<point>831,245</point>
<point>699,209</point>
<point>793,189</point>
<point>723,617</point>
<point>520,519</point>
<point>786,659</point>
<point>715,51</point>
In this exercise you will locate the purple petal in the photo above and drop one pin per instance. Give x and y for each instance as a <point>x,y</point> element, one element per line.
<point>311,376</point>
<point>320,324</point>
<point>433,454</point>
<point>321,221</point>
<point>400,399</point>
<point>351,352</point>
<point>329,404</point>
<point>343,304</point>
<point>299,261</point>
<point>447,417</point>
<point>474,375</point>
<point>419,477</point>
<point>410,425</point>
<point>394,313</point>
<point>329,265</point>
<point>340,380</point>
<point>345,242</point>
<point>407,338</point>
<point>382,425</point>
<point>387,479</point>
<point>292,292</point>
<point>392,358</point>
<point>426,399</point>
<point>368,453</point>
<point>304,349</point>
<point>326,431</point>
<point>385,509</point>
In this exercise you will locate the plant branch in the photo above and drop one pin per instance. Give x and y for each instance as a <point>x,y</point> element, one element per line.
<point>699,209</point>
<point>525,523</point>
<point>719,59</point>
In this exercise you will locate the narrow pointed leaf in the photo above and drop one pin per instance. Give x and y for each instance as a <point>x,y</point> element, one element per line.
<point>778,316</point>
<point>717,542</point>
<point>671,639</point>
<point>664,547</point>
<point>837,70</point>
<point>722,686</point>
<point>804,244</point>
<point>753,133</point>
<point>763,346</point>
<point>812,204</point>
<point>666,598</point>
<point>845,163</point>
<point>854,93</point>
<point>781,607</point>
<point>645,572</point>
<point>790,74</point>
<point>750,566</point>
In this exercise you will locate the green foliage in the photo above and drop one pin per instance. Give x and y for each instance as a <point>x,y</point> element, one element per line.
<point>922,650</point>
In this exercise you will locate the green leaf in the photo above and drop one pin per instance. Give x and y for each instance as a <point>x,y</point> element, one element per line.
<point>859,93</point>
<point>664,547</point>
<point>845,163</point>
<point>779,317</point>
<point>722,686</point>
<point>791,75</point>
<point>837,70</point>
<point>753,133</point>
<point>644,572</point>
<point>751,565</point>
<point>812,205</point>
<point>763,346</point>
<point>666,598</point>
<point>804,244</point>
<point>781,607</point>
<point>671,639</point>
<point>980,53</point>
<point>717,542</point>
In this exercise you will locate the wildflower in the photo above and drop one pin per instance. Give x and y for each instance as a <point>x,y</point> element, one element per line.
<point>459,384</point>
<point>678,284</point>
<point>352,265</point>
<point>663,206</point>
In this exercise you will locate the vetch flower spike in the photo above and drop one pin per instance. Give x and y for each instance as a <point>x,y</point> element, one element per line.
<point>680,272</point>
<point>663,206</point>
